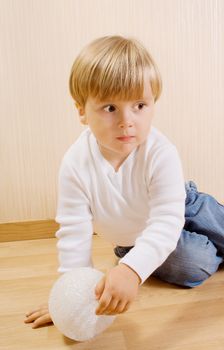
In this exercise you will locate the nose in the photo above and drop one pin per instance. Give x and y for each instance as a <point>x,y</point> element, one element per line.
<point>125,120</point>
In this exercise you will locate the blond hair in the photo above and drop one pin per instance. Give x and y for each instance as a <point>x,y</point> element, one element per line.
<point>113,66</point>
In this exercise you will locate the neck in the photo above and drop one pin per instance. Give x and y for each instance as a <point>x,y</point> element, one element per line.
<point>115,160</point>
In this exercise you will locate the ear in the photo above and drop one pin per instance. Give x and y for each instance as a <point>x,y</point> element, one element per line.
<point>82,117</point>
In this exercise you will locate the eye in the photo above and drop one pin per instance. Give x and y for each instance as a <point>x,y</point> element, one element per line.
<point>141,105</point>
<point>111,108</point>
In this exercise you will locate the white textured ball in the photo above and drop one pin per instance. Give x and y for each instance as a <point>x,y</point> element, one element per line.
<point>72,304</point>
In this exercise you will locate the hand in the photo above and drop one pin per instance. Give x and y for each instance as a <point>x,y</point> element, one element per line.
<point>39,316</point>
<point>117,290</point>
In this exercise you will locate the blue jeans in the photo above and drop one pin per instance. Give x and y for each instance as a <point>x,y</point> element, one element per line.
<point>200,249</point>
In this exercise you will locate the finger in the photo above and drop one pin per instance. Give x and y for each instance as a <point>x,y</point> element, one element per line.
<point>103,303</point>
<point>111,307</point>
<point>31,312</point>
<point>121,308</point>
<point>100,288</point>
<point>43,306</point>
<point>35,315</point>
<point>42,320</point>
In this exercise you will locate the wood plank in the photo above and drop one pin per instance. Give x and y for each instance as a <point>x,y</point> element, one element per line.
<point>19,231</point>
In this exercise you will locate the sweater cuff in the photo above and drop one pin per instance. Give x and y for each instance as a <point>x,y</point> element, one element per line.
<point>143,266</point>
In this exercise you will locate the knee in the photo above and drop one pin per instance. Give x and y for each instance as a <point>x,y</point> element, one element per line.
<point>182,273</point>
<point>190,264</point>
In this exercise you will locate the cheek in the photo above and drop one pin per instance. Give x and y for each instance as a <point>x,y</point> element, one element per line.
<point>107,124</point>
<point>102,128</point>
<point>145,122</point>
<point>109,121</point>
<point>144,127</point>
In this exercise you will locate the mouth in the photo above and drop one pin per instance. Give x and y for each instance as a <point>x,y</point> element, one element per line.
<point>125,138</point>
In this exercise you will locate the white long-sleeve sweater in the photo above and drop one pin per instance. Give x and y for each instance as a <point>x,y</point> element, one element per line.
<point>140,205</point>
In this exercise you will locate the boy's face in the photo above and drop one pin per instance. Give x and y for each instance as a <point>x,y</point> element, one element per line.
<point>119,126</point>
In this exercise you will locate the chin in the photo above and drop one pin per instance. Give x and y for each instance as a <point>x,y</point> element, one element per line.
<point>127,147</point>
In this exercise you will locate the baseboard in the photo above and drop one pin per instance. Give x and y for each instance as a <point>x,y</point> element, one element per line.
<point>20,231</point>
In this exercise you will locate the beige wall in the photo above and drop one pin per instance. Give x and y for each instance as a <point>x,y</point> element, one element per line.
<point>39,40</point>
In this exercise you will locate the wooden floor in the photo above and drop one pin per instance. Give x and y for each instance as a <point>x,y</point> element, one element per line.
<point>163,316</point>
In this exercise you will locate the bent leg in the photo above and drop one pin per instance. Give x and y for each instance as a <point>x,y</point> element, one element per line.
<point>204,215</point>
<point>192,262</point>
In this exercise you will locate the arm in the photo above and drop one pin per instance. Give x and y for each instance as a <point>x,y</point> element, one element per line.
<point>74,235</point>
<point>75,219</point>
<point>167,195</point>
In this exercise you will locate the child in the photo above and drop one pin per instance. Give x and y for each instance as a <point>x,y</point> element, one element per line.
<point>123,179</point>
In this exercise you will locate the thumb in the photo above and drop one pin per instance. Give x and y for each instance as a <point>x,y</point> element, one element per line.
<point>99,288</point>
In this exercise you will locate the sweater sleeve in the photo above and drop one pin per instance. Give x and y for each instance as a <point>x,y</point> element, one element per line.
<point>166,219</point>
<point>74,216</point>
